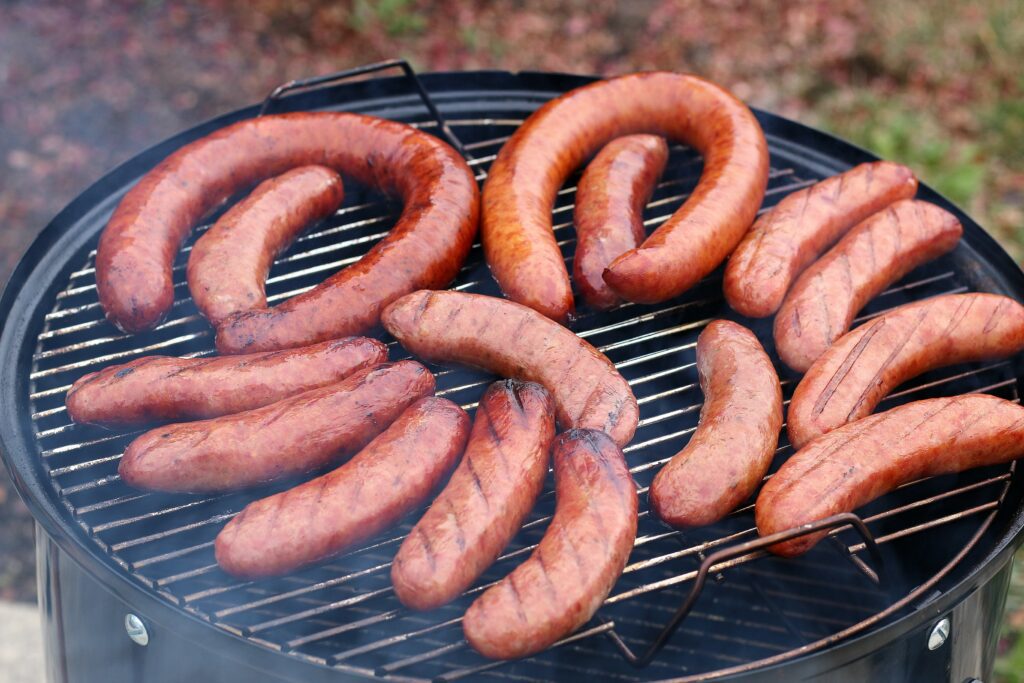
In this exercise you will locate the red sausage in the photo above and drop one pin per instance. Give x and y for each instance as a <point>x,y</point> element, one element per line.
<point>486,501</point>
<point>860,461</point>
<point>388,479</point>
<point>295,435</point>
<point>161,388</point>
<point>424,249</point>
<point>610,200</point>
<point>790,237</point>
<point>824,301</point>
<point>523,181</point>
<point>229,264</point>
<point>729,454</point>
<point>514,341</point>
<point>583,552</point>
<point>863,366</point>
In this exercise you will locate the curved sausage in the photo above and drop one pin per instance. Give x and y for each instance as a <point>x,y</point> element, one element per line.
<point>860,461</point>
<point>512,340</point>
<point>610,200</point>
<point>790,236</point>
<point>228,266</point>
<point>295,435</point>
<point>388,479</point>
<point>523,181</point>
<point>485,502</point>
<point>825,299</point>
<point>161,388</point>
<point>424,249</point>
<point>735,441</point>
<point>863,366</point>
<point>583,552</point>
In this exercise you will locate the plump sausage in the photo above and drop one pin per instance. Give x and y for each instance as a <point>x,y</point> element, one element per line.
<point>162,388</point>
<point>858,462</point>
<point>486,500</point>
<point>424,249</point>
<point>610,200</point>
<point>863,366</point>
<point>880,250</point>
<point>228,265</point>
<point>570,573</point>
<point>790,237</point>
<point>512,340</point>
<point>388,479</point>
<point>295,435</point>
<point>729,454</point>
<point>523,181</point>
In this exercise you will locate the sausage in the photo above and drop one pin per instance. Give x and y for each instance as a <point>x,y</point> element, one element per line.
<point>512,340</point>
<point>583,552</point>
<point>863,366</point>
<point>295,435</point>
<point>229,264</point>
<point>388,479</point>
<point>522,184</point>
<point>610,200</point>
<point>735,441</point>
<point>161,388</point>
<point>485,502</point>
<point>860,461</point>
<point>424,249</point>
<point>880,250</point>
<point>790,237</point>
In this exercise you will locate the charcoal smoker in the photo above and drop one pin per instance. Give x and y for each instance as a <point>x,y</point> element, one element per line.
<point>129,589</point>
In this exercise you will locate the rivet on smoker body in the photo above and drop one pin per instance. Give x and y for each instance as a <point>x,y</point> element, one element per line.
<point>136,630</point>
<point>940,633</point>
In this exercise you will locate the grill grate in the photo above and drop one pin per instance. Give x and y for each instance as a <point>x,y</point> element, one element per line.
<point>343,614</point>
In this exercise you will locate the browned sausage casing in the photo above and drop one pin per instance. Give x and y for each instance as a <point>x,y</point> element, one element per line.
<point>162,388</point>
<point>863,366</point>
<point>424,249</point>
<point>522,184</point>
<point>295,435</point>
<point>610,200</point>
<point>486,500</point>
<point>825,299</point>
<point>391,477</point>
<point>583,552</point>
<point>228,266</point>
<point>860,461</point>
<point>511,340</point>
<point>729,454</point>
<point>790,236</point>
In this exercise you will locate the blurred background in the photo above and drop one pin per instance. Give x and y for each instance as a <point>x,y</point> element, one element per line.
<point>934,84</point>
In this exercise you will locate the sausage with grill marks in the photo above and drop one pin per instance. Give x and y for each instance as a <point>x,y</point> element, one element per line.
<point>162,388</point>
<point>388,479</point>
<point>789,237</point>
<point>863,366</point>
<point>485,502</point>
<point>573,568</point>
<point>295,435</point>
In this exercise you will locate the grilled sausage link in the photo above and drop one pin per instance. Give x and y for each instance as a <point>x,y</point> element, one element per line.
<point>825,299</point>
<point>295,435</point>
<point>162,388</point>
<point>522,184</point>
<point>610,200</point>
<point>388,479</point>
<point>424,249</point>
<point>229,264</point>
<point>486,500</point>
<point>858,462</point>
<point>583,552</point>
<point>790,236</point>
<point>512,340</point>
<point>863,366</point>
<point>729,454</point>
